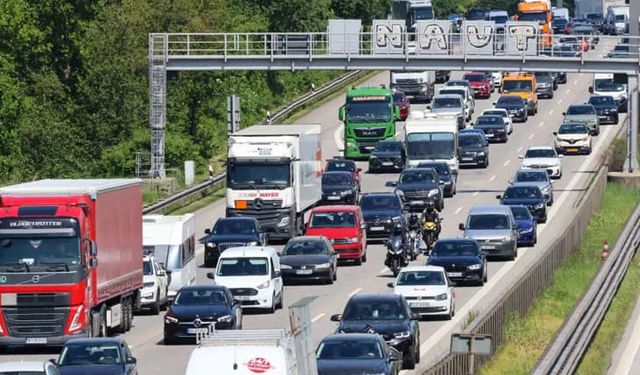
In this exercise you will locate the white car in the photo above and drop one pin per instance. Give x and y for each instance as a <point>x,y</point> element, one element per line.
<point>543,157</point>
<point>427,290</point>
<point>503,113</point>
<point>572,138</point>
<point>496,77</point>
<point>467,98</point>
<point>155,287</point>
<point>28,367</point>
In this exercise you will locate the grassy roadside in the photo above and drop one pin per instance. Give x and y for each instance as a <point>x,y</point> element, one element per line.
<point>528,336</point>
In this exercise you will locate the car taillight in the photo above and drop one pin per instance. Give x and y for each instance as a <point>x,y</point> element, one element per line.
<point>78,321</point>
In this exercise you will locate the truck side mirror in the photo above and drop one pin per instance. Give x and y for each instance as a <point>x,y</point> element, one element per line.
<point>591,89</point>
<point>207,231</point>
<point>341,113</point>
<point>211,275</point>
<point>93,262</point>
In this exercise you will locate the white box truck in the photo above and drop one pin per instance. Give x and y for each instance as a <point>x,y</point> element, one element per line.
<point>418,85</point>
<point>412,11</point>
<point>430,137</point>
<point>273,174</point>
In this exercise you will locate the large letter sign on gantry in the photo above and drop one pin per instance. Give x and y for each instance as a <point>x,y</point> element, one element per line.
<point>478,37</point>
<point>388,36</point>
<point>521,38</point>
<point>433,37</point>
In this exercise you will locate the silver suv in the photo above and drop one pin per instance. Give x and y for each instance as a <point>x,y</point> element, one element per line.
<point>495,230</point>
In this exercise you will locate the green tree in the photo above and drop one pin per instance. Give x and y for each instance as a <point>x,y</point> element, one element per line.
<point>365,10</point>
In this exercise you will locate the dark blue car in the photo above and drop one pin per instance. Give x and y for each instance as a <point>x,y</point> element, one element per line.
<point>526,195</point>
<point>606,108</point>
<point>516,106</point>
<point>231,232</point>
<point>462,260</point>
<point>527,231</point>
<point>357,353</point>
<point>98,355</point>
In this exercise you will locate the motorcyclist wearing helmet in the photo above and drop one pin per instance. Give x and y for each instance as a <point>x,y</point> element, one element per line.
<point>414,221</point>
<point>430,214</point>
<point>398,234</point>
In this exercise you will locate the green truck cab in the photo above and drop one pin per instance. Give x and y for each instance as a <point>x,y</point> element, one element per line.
<point>369,116</point>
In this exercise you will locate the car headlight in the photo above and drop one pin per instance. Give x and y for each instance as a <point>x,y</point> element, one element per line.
<point>402,335</point>
<point>264,285</point>
<point>284,222</point>
<point>352,240</point>
<point>150,284</point>
<point>539,206</point>
<point>168,319</point>
<point>225,319</point>
<point>546,189</point>
<point>480,153</point>
<point>396,219</point>
<point>585,139</point>
<point>346,192</point>
<point>442,297</point>
<point>526,230</point>
<point>323,265</point>
<point>285,266</point>
<point>474,267</point>
<point>253,243</point>
<point>433,192</point>
<point>372,157</point>
<point>211,244</point>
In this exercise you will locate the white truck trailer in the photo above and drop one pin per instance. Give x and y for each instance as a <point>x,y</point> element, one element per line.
<point>430,137</point>
<point>273,174</point>
<point>418,85</point>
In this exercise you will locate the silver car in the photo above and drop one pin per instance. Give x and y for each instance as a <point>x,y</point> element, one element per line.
<point>495,230</point>
<point>537,177</point>
<point>449,104</point>
<point>583,113</point>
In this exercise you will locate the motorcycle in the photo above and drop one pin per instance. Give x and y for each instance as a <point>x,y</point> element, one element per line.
<point>430,233</point>
<point>414,241</point>
<point>396,255</point>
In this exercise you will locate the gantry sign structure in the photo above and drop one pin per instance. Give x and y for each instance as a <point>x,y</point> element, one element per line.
<point>480,45</point>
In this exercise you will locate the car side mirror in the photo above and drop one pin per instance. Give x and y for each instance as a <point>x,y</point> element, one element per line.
<point>561,156</point>
<point>341,113</point>
<point>390,285</point>
<point>363,226</point>
<point>461,226</point>
<point>211,275</point>
<point>498,196</point>
<point>336,317</point>
<point>131,361</point>
<point>393,357</point>
<point>93,262</point>
<point>564,113</point>
<point>429,106</point>
<point>494,103</point>
<point>391,183</point>
<point>591,89</point>
<point>207,231</point>
<point>279,254</point>
<point>277,274</point>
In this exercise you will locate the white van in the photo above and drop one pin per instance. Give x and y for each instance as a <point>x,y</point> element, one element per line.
<point>603,85</point>
<point>172,240</point>
<point>253,275</point>
<point>616,21</point>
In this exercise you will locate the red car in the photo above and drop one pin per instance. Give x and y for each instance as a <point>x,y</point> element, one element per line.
<point>401,100</point>
<point>344,226</point>
<point>342,164</point>
<point>479,83</point>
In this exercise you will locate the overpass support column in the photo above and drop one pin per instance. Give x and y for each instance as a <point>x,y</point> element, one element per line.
<point>631,160</point>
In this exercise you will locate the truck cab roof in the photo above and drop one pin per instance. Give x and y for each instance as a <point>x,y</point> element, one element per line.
<point>68,187</point>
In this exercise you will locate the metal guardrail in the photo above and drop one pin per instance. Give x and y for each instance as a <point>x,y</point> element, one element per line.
<point>280,114</point>
<point>572,341</point>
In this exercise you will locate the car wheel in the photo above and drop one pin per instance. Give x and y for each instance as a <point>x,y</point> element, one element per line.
<point>589,151</point>
<point>358,261</point>
<point>409,362</point>
<point>418,351</point>
<point>451,313</point>
<point>281,301</point>
<point>168,341</point>
<point>155,307</point>
<point>335,274</point>
<point>486,274</point>
<point>364,256</point>
<point>272,309</point>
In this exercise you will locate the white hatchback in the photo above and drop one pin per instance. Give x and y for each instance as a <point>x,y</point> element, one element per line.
<point>427,290</point>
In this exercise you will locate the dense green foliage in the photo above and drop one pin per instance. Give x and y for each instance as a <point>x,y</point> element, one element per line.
<point>74,86</point>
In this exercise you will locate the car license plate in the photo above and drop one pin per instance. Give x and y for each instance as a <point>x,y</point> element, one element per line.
<point>193,331</point>
<point>304,272</point>
<point>488,135</point>
<point>454,274</point>
<point>35,340</point>
<point>387,163</point>
<point>488,247</point>
<point>377,229</point>
<point>242,298</point>
<point>573,149</point>
<point>333,198</point>
<point>419,304</point>
<point>467,159</point>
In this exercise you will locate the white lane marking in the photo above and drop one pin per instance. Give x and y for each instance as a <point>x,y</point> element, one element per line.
<point>507,163</point>
<point>492,178</point>
<point>383,270</point>
<point>541,124</point>
<point>457,211</point>
<point>519,149</point>
<point>568,91</point>
<point>575,82</point>
<point>317,317</point>
<point>429,344</point>
<point>354,292</point>
<point>630,351</point>
<point>559,101</point>
<point>476,193</point>
<point>337,136</point>
<point>551,111</point>
<point>531,136</point>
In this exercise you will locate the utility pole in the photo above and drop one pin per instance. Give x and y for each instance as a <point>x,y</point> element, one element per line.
<point>631,160</point>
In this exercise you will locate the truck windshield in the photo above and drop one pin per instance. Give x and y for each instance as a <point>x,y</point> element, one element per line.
<point>540,17</point>
<point>243,267</point>
<point>39,251</point>
<point>258,176</point>
<point>368,111</point>
<point>423,13</point>
<point>608,85</point>
<point>517,86</point>
<point>431,146</point>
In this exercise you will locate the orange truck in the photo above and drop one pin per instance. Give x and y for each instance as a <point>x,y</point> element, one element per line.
<point>524,85</point>
<point>540,12</point>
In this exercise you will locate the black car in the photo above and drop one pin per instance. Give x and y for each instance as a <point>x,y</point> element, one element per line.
<point>596,20</point>
<point>473,149</point>
<point>561,77</point>
<point>231,232</point>
<point>387,155</point>
<point>381,212</point>
<point>307,258</point>
<point>606,108</point>
<point>342,164</point>
<point>461,258</point>
<point>388,315</point>
<point>356,354</point>
<point>197,307</point>
<point>416,186</point>
<point>545,85</point>
<point>99,355</point>
<point>339,187</point>
<point>516,106</point>
<point>525,194</point>
<point>564,51</point>
<point>448,179</point>
<point>558,25</point>
<point>620,51</point>
<point>494,128</point>
<point>442,76</point>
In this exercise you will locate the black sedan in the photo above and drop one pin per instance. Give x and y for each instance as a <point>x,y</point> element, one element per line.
<point>387,156</point>
<point>231,232</point>
<point>516,106</point>
<point>104,355</point>
<point>195,308</point>
<point>448,179</point>
<point>339,187</point>
<point>416,186</point>
<point>494,128</point>
<point>606,108</point>
<point>461,258</point>
<point>357,354</point>
<point>388,315</point>
<point>307,258</point>
<point>382,212</point>
<point>529,195</point>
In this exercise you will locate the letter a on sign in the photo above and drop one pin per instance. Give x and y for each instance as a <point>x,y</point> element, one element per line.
<point>432,37</point>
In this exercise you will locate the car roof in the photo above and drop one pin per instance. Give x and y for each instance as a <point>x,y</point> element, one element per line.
<point>540,148</point>
<point>352,337</point>
<point>374,297</point>
<point>341,160</point>
<point>248,251</point>
<point>454,88</point>
<point>425,164</point>
<point>422,268</point>
<point>489,209</point>
<point>203,287</point>
<point>490,116</point>
<point>95,341</point>
<point>346,173</point>
<point>22,366</point>
<point>336,208</point>
<point>580,105</point>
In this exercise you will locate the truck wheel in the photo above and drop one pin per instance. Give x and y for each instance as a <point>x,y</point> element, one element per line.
<point>129,316</point>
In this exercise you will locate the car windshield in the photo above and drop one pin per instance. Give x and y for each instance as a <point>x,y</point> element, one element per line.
<point>455,248</point>
<point>440,168</point>
<point>341,219</point>
<point>375,310</point>
<point>608,85</point>
<point>470,141</point>
<point>601,100</point>
<point>446,103</point>
<point>234,226</point>
<point>573,129</point>
<point>488,222</point>
<point>532,176</point>
<point>380,202</point>
<point>517,85</point>
<point>361,109</point>
<point>147,268</point>
<point>305,248</point>
<point>388,146</point>
<point>192,297</point>
<point>90,354</point>
<point>520,213</point>
<point>349,349</point>
<point>452,92</point>
<point>494,113</point>
<point>338,179</point>
<point>250,266</point>
<point>490,120</point>
<point>581,110</point>
<point>474,77</point>
<point>510,100</point>
<point>421,278</point>
<point>398,97</point>
<point>522,192</point>
<point>413,177</point>
<point>540,17</point>
<point>540,153</point>
<point>341,166</point>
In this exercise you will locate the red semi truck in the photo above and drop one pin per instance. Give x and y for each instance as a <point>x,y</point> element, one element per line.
<point>70,259</point>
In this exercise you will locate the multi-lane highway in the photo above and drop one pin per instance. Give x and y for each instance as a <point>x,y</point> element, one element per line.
<point>475,186</point>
